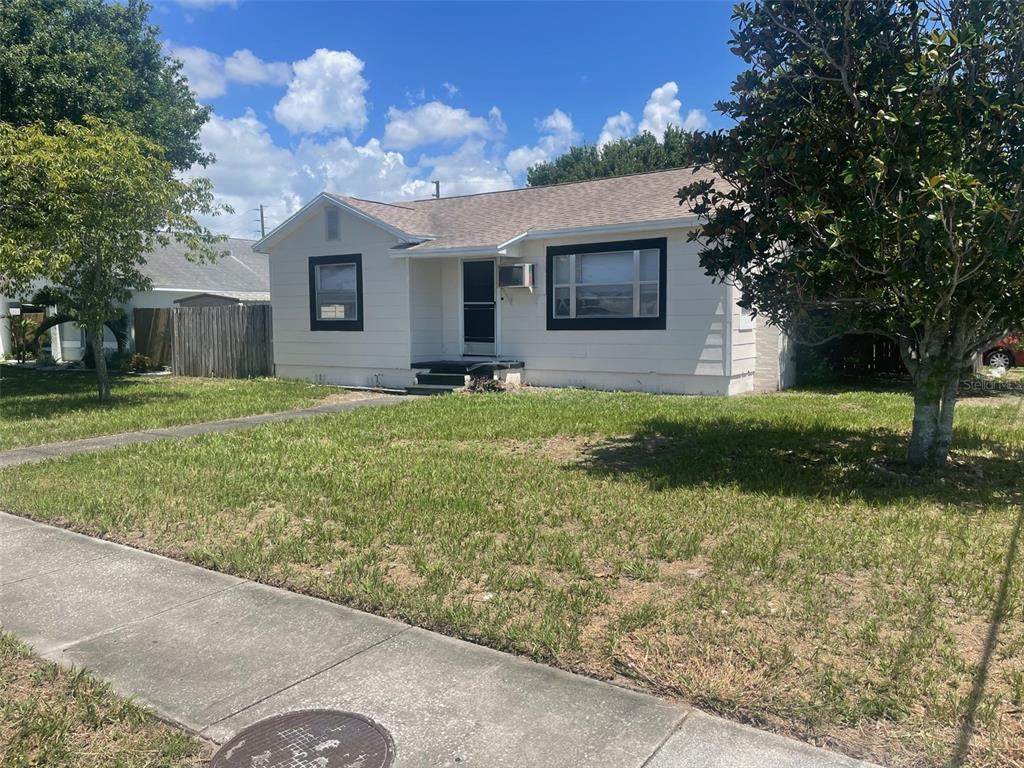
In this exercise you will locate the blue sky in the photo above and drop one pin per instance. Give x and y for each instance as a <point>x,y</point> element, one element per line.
<point>377,99</point>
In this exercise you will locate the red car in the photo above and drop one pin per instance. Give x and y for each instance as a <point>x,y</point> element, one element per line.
<point>1007,353</point>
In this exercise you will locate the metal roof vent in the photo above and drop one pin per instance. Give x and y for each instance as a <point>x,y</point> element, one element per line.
<point>318,738</point>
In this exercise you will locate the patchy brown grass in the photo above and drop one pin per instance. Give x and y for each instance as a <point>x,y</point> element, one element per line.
<point>347,396</point>
<point>767,558</point>
<point>62,718</point>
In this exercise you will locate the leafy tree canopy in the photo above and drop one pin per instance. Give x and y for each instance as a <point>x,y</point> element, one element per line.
<point>65,59</point>
<point>633,154</point>
<point>875,179</point>
<point>81,205</point>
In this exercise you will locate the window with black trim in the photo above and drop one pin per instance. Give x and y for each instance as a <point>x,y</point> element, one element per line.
<point>607,286</point>
<point>336,293</point>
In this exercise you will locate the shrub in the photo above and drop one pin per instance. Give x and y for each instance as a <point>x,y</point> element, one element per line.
<point>485,384</point>
<point>139,363</point>
<point>23,337</point>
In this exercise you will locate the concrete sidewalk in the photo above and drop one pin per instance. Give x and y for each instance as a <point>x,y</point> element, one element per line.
<point>215,653</point>
<point>31,453</point>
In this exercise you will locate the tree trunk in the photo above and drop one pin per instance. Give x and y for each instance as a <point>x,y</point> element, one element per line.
<point>944,438</point>
<point>935,393</point>
<point>95,340</point>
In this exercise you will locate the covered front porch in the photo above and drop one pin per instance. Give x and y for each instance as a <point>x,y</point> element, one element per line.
<point>457,308</point>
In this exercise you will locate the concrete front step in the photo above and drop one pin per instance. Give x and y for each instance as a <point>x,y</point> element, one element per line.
<point>445,379</point>
<point>431,389</point>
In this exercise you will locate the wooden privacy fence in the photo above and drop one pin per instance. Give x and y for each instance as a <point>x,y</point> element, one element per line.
<point>233,342</point>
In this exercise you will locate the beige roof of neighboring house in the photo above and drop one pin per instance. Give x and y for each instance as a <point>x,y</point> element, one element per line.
<point>489,219</point>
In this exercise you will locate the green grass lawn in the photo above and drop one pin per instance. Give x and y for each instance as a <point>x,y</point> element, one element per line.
<point>39,407</point>
<point>61,718</point>
<point>767,558</point>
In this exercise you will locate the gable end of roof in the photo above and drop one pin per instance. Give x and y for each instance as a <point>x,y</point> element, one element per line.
<point>284,228</point>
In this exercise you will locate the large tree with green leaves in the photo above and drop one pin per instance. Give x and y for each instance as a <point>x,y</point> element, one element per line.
<point>85,203</point>
<point>874,181</point>
<point>632,154</point>
<point>65,59</point>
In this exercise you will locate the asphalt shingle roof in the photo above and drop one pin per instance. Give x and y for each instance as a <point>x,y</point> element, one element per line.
<point>492,218</point>
<point>241,271</point>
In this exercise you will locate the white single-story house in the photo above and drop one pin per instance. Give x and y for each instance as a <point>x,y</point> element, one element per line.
<point>587,284</point>
<point>239,277</point>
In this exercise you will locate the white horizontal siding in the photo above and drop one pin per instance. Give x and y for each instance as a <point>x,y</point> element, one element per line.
<point>702,384</point>
<point>350,376</point>
<point>776,359</point>
<point>692,344</point>
<point>426,309</point>
<point>380,353</point>
<point>412,310</point>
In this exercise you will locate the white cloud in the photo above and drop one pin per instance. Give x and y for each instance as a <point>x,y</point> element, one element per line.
<point>250,170</point>
<point>244,66</point>
<point>468,170</point>
<point>204,70</point>
<point>208,74</point>
<point>662,109</point>
<point>452,90</point>
<point>557,123</point>
<point>433,122</point>
<point>326,93</point>
<point>557,135</point>
<point>696,120</point>
<point>616,127</point>
<point>494,115</point>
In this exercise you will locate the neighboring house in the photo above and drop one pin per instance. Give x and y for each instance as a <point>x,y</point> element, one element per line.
<point>369,293</point>
<point>239,277</point>
<point>223,299</point>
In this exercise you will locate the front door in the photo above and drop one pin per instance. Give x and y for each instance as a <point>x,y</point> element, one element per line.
<point>478,307</point>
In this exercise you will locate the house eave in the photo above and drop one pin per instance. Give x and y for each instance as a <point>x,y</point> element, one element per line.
<point>636,226</point>
<point>500,249</point>
<point>423,253</point>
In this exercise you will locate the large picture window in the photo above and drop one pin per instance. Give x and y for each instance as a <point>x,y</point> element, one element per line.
<point>607,286</point>
<point>336,293</point>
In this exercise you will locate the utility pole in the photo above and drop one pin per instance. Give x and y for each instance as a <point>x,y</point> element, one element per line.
<point>263,222</point>
<point>437,189</point>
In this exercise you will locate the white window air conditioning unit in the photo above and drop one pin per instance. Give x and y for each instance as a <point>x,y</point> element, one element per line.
<point>515,276</point>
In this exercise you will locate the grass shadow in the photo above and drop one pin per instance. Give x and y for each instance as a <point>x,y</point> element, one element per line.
<point>31,394</point>
<point>818,461</point>
<point>999,614</point>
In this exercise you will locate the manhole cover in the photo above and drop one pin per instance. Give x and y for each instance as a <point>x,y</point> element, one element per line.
<point>318,738</point>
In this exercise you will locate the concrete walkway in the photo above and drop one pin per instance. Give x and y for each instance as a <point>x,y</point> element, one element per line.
<point>215,653</point>
<point>85,445</point>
